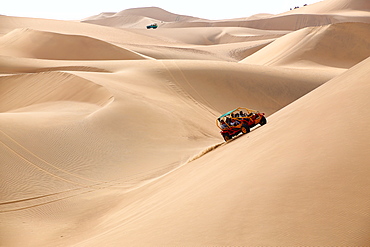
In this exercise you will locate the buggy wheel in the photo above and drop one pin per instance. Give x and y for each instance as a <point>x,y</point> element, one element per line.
<point>263,121</point>
<point>245,129</point>
<point>226,137</point>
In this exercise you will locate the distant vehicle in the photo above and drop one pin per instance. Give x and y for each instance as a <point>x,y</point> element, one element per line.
<point>154,26</point>
<point>239,120</point>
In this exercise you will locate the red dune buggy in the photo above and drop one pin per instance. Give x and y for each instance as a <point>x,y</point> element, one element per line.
<point>239,120</point>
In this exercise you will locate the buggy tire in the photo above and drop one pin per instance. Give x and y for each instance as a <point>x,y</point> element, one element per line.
<point>263,121</point>
<point>226,137</point>
<point>245,129</point>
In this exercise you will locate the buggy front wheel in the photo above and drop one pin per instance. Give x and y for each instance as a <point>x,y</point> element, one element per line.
<point>226,137</point>
<point>245,129</point>
<point>263,121</point>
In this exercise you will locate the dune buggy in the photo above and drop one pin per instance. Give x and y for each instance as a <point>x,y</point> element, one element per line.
<point>154,26</point>
<point>239,120</point>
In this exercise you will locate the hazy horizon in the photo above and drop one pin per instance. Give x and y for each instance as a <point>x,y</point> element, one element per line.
<point>73,10</point>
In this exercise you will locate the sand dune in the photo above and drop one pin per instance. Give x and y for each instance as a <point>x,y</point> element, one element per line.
<point>288,22</point>
<point>224,52</point>
<point>47,45</point>
<point>30,65</point>
<point>108,34</point>
<point>213,36</point>
<point>340,45</point>
<point>138,17</point>
<point>201,43</point>
<point>158,13</point>
<point>128,21</point>
<point>21,91</point>
<point>108,136</point>
<point>341,7</point>
<point>321,13</point>
<point>264,186</point>
<point>150,12</point>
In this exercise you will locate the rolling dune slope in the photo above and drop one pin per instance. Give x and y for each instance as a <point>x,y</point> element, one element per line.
<point>108,34</point>
<point>340,7</point>
<point>294,182</point>
<point>290,22</point>
<point>127,21</point>
<point>213,35</point>
<point>47,45</point>
<point>137,18</point>
<point>108,135</point>
<point>318,14</point>
<point>339,45</point>
<point>21,91</point>
<point>206,43</point>
<point>85,151</point>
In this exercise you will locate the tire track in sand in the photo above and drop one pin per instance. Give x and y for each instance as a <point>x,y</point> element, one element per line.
<point>175,86</point>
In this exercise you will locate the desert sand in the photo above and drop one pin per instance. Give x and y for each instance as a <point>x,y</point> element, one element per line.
<point>108,135</point>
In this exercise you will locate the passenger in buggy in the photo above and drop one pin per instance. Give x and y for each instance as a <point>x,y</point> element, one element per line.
<point>223,125</point>
<point>234,122</point>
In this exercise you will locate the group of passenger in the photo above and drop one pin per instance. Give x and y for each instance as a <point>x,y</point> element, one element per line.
<point>230,122</point>
<point>240,114</point>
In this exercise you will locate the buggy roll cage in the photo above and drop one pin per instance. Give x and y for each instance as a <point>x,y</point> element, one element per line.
<point>236,114</point>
